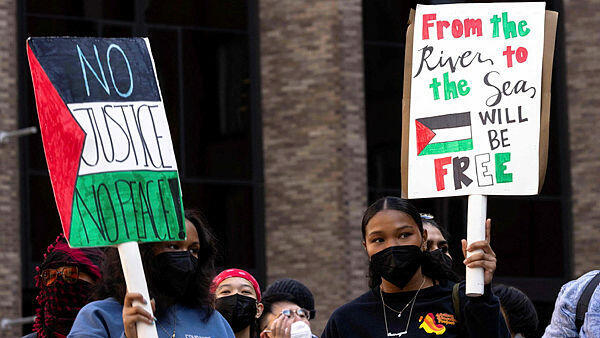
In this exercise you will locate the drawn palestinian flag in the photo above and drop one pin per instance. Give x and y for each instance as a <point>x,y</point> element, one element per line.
<point>444,134</point>
<point>106,139</point>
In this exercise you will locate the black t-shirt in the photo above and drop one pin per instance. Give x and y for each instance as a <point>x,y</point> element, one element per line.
<point>432,315</point>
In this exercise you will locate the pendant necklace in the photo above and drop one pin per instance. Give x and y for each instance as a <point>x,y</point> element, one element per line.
<point>411,303</point>
<point>174,325</point>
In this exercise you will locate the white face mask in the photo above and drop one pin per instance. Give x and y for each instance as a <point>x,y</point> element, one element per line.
<point>518,335</point>
<point>300,329</point>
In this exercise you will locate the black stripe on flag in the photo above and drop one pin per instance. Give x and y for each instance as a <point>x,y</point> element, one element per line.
<point>447,121</point>
<point>60,59</point>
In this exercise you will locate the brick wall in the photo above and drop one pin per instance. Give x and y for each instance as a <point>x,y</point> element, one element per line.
<point>583,81</point>
<point>10,243</point>
<point>314,146</point>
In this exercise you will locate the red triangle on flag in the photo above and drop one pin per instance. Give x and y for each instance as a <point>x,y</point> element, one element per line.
<point>62,137</point>
<point>424,135</point>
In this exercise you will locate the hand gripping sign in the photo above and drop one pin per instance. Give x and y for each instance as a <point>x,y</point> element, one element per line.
<point>476,105</point>
<point>108,146</point>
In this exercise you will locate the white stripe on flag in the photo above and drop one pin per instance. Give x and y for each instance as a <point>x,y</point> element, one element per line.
<point>451,134</point>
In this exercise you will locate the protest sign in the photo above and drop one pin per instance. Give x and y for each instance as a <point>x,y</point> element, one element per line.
<point>475,100</point>
<point>476,105</point>
<point>108,148</point>
<point>106,140</point>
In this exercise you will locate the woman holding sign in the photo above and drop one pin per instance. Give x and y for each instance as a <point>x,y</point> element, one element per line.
<point>411,292</point>
<point>179,274</point>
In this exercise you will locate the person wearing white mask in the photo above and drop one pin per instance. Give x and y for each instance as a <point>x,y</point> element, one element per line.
<point>284,318</point>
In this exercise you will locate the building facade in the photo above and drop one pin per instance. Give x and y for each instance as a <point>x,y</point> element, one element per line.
<point>286,118</point>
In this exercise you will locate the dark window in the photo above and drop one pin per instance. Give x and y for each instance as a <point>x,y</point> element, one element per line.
<point>206,59</point>
<point>530,234</point>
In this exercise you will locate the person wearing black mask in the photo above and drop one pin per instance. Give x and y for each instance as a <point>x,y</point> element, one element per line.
<point>437,241</point>
<point>238,300</point>
<point>411,293</point>
<point>178,274</point>
<point>65,279</point>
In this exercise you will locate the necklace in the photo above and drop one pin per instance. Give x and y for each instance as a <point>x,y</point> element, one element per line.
<point>407,304</point>
<point>412,304</point>
<point>174,325</point>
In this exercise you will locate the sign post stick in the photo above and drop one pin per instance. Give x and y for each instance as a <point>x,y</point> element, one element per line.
<point>131,261</point>
<point>476,213</point>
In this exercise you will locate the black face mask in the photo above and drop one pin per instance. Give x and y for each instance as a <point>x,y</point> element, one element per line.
<point>397,264</point>
<point>442,257</point>
<point>172,272</point>
<point>239,310</point>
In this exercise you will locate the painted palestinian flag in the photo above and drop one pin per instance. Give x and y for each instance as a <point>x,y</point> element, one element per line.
<point>106,140</point>
<point>444,134</point>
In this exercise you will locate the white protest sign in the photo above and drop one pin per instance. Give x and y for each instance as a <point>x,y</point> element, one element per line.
<point>475,99</point>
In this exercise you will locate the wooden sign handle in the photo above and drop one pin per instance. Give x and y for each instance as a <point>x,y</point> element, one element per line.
<point>476,215</point>
<point>131,262</point>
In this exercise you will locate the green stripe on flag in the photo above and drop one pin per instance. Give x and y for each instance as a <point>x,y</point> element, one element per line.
<point>116,207</point>
<point>447,147</point>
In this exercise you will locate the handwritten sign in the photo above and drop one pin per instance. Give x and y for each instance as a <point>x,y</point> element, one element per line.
<point>475,99</point>
<point>107,140</point>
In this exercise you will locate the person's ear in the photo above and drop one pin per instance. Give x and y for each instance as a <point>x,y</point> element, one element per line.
<point>424,242</point>
<point>259,309</point>
<point>364,244</point>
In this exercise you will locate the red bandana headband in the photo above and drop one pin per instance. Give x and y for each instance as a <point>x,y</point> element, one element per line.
<point>235,273</point>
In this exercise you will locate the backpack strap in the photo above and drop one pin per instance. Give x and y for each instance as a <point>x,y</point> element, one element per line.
<point>456,303</point>
<point>584,301</point>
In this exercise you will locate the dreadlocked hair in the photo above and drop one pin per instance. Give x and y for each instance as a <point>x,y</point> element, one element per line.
<point>59,301</point>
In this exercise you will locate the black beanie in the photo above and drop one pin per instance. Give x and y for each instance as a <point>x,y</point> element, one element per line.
<point>298,290</point>
<point>520,312</point>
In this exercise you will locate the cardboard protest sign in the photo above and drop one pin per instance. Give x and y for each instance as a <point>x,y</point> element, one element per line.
<point>472,117</point>
<point>106,140</point>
